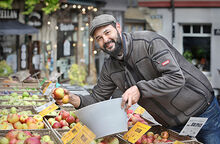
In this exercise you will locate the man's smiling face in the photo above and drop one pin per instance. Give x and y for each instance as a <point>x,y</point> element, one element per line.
<point>109,39</point>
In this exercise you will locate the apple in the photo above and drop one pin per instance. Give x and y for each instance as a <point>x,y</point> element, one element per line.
<point>77,120</point>
<point>13,110</point>
<point>13,141</point>
<point>72,113</point>
<point>150,133</point>
<point>22,136</point>
<point>156,136</point>
<point>30,120</point>
<point>32,126</point>
<point>164,134</point>
<point>24,126</point>
<point>130,111</point>
<point>63,123</point>
<point>4,140</point>
<point>12,134</point>
<point>36,135</point>
<point>113,140</point>
<point>13,118</point>
<point>40,125</point>
<point>18,125</point>
<point>130,123</point>
<point>70,119</point>
<point>58,118</point>
<point>72,125</point>
<point>23,118</point>
<point>20,142</point>
<point>25,94</point>
<point>58,93</point>
<point>65,99</point>
<point>46,138</point>
<point>32,140</point>
<point>65,127</point>
<point>28,133</point>
<point>35,97</point>
<point>56,125</point>
<point>38,117</point>
<point>50,120</point>
<point>64,114</point>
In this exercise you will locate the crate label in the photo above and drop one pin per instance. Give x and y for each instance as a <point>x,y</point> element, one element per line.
<point>193,126</point>
<point>71,133</point>
<point>85,136</point>
<point>139,110</point>
<point>48,89</point>
<point>136,132</point>
<point>48,109</point>
<point>178,142</point>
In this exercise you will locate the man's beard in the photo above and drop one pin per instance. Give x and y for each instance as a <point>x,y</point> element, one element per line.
<point>118,47</point>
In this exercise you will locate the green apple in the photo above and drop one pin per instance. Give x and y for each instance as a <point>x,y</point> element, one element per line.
<point>45,138</point>
<point>13,110</point>
<point>14,94</point>
<point>4,140</point>
<point>35,97</point>
<point>25,94</point>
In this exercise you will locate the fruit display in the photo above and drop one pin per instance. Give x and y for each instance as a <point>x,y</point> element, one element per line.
<point>24,96</point>
<point>16,121</point>
<point>27,137</point>
<point>18,110</point>
<point>64,120</point>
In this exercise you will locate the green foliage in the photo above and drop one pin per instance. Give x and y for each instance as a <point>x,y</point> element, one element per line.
<point>50,6</point>
<point>5,69</point>
<point>188,55</point>
<point>77,75</point>
<point>6,4</point>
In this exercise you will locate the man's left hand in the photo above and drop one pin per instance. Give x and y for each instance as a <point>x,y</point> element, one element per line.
<point>130,96</point>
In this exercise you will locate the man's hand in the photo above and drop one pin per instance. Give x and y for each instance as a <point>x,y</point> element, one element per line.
<point>73,99</point>
<point>130,96</point>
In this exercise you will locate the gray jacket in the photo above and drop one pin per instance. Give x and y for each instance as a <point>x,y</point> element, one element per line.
<point>172,89</point>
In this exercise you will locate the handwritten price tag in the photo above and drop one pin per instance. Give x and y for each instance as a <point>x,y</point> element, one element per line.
<point>72,133</point>
<point>48,109</point>
<point>85,136</point>
<point>136,132</point>
<point>139,110</point>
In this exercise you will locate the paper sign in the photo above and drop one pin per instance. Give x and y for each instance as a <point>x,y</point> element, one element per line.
<point>85,136</point>
<point>48,109</point>
<point>43,81</point>
<point>193,126</point>
<point>136,132</point>
<point>48,89</point>
<point>140,110</point>
<point>72,133</point>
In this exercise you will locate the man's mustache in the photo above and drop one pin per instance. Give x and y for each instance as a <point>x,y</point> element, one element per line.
<point>105,45</point>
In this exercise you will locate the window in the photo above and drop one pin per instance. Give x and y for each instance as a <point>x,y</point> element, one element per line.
<point>196,45</point>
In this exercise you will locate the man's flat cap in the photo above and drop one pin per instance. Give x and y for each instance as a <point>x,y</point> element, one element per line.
<point>101,20</point>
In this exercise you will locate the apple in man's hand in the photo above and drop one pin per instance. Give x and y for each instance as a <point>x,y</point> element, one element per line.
<point>59,93</point>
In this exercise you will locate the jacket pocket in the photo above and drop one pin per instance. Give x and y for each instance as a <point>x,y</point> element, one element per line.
<point>189,99</point>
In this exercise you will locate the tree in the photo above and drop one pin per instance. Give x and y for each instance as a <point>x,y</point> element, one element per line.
<point>6,4</point>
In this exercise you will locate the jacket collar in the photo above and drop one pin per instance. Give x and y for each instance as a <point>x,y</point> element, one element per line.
<point>127,45</point>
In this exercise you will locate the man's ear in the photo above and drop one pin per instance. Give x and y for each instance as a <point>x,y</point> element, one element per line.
<point>118,27</point>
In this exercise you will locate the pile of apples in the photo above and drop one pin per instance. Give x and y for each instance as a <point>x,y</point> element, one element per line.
<point>151,138</point>
<point>15,121</point>
<point>64,120</point>
<point>106,140</point>
<point>134,118</point>
<point>14,110</point>
<point>25,137</point>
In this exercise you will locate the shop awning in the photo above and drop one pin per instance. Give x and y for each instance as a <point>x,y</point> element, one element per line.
<point>14,27</point>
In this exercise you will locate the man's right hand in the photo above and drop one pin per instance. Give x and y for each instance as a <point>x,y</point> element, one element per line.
<point>73,99</point>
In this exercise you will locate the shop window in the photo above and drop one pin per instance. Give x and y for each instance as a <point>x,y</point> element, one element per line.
<point>196,45</point>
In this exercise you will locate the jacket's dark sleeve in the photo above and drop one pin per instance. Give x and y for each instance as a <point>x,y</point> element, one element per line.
<point>102,91</point>
<point>171,78</point>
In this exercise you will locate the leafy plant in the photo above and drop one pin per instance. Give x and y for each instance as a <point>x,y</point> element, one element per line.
<point>77,75</point>
<point>5,69</point>
<point>6,4</point>
<point>188,55</point>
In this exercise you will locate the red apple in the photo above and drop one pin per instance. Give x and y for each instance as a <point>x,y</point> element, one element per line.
<point>36,135</point>
<point>12,134</point>
<point>165,134</point>
<point>150,133</point>
<point>63,123</point>
<point>64,114</point>
<point>70,119</point>
<point>56,125</point>
<point>58,118</point>
<point>40,125</point>
<point>138,141</point>
<point>50,120</point>
<point>13,141</point>
<point>32,126</point>
<point>32,140</point>
<point>28,133</point>
<point>23,118</point>
<point>13,118</point>
<point>130,111</point>
<point>30,120</point>
<point>58,93</point>
<point>77,120</point>
<point>38,117</point>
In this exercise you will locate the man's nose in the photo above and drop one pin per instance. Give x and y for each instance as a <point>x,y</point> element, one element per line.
<point>105,39</point>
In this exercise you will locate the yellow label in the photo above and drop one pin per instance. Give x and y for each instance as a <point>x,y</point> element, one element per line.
<point>47,87</point>
<point>178,142</point>
<point>139,110</point>
<point>48,109</point>
<point>136,132</point>
<point>85,136</point>
<point>71,133</point>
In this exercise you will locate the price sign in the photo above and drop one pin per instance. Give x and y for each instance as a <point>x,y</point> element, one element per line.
<point>85,136</point>
<point>193,126</point>
<point>136,132</point>
<point>72,133</point>
<point>139,110</point>
<point>50,86</point>
<point>48,109</point>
